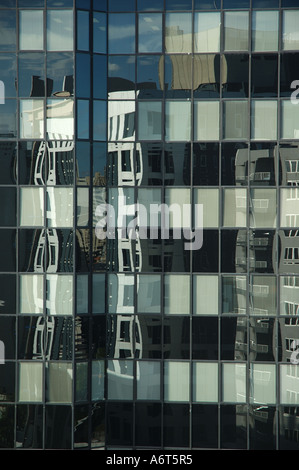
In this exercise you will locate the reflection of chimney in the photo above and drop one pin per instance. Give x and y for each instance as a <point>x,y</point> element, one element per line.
<point>37,86</point>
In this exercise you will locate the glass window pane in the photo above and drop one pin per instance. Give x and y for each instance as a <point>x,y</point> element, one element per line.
<point>263,208</point>
<point>143,5</point>
<point>82,75</point>
<point>205,295</point>
<point>263,383</point>
<point>178,37</point>
<point>59,382</point>
<point>235,118</point>
<point>148,378</point>
<point>60,207</point>
<point>99,32</point>
<point>235,75</point>
<point>150,32</point>
<point>234,295</point>
<point>206,120</point>
<point>8,67</point>
<point>31,119</point>
<point>290,39</point>
<point>289,207</point>
<point>205,382</point>
<point>207,32</point>
<point>176,381</point>
<point>263,295</point>
<point>30,382</point>
<point>60,73</point>
<point>60,119</point>
<point>83,119</point>
<point>99,77</point>
<point>206,75</point>
<point>97,381</point>
<point>31,72</point>
<point>99,120</point>
<point>210,200</point>
<point>8,118</point>
<point>177,76</point>
<point>264,75</point>
<point>148,76</point>
<point>289,120</point>
<point>121,75</point>
<point>121,33</point>
<point>149,120</point>
<point>83,30</point>
<point>31,294</point>
<point>236,31</point>
<point>8,30</point>
<point>234,207</point>
<point>31,207</point>
<point>59,30</point>
<point>265,31</point>
<point>60,294</point>
<point>149,294</point>
<point>121,119</point>
<point>120,380</point>
<point>234,383</point>
<point>289,384</point>
<point>31,38</point>
<point>176,294</point>
<point>177,120</point>
<point>264,120</point>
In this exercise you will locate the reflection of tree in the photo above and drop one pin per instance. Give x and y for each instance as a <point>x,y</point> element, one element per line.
<point>6,426</point>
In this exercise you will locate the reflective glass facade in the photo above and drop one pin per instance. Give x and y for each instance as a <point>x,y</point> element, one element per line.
<point>128,340</point>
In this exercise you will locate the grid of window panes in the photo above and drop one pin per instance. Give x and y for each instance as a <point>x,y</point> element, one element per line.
<point>201,344</point>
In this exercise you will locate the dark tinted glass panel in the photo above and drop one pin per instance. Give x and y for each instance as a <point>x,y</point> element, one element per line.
<point>121,33</point>
<point>60,73</point>
<point>7,30</point>
<point>176,257</point>
<point>120,5</point>
<point>99,32</point>
<point>234,164</point>
<point>119,419</point>
<point>289,72</point>
<point>8,156</point>
<point>99,163</point>
<point>265,3</point>
<point>236,4</point>
<point>143,5</point>
<point>60,3</point>
<point>121,74</point>
<point>230,330</point>
<point>207,4</point>
<point>288,428</point>
<point>8,120</point>
<point>176,338</point>
<point>31,71</point>
<point>206,259</point>
<point>233,429</point>
<point>178,76</point>
<point>30,426</point>
<point>60,419</point>
<point>289,156</point>
<point>84,4</point>
<point>262,431</point>
<point>27,333</point>
<point>206,75</point>
<point>262,161</point>
<point>235,75</point>
<point>7,387</point>
<point>83,75</point>
<point>176,425</point>
<point>7,3</point>
<point>31,246</point>
<point>264,75</point>
<point>99,77</point>
<point>8,67</point>
<point>7,426</point>
<point>205,426</point>
<point>289,3</point>
<point>206,164</point>
<point>178,4</point>
<point>98,328</point>
<point>205,338</point>
<point>177,164</point>
<point>81,427</point>
<point>8,336</point>
<point>8,258</point>
<point>149,158</point>
<point>148,76</point>
<point>262,251</point>
<point>83,36</point>
<point>150,333</point>
<point>233,251</point>
<point>28,152</point>
<point>31,3</point>
<point>98,425</point>
<point>148,424</point>
<point>7,294</point>
<point>262,336</point>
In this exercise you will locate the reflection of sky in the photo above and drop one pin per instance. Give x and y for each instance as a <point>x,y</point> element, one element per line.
<point>150,33</point>
<point>122,33</point>
<point>8,118</point>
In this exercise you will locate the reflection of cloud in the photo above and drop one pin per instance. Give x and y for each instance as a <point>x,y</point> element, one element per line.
<point>121,32</point>
<point>113,67</point>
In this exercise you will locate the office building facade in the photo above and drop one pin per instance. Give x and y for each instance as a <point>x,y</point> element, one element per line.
<point>132,336</point>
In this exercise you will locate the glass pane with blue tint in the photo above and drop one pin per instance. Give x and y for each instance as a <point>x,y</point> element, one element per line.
<point>149,76</point>
<point>83,75</point>
<point>150,32</point>
<point>31,71</point>
<point>60,30</point>
<point>121,33</point>
<point>99,77</point>
<point>31,38</point>
<point>83,30</point>
<point>99,32</point>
